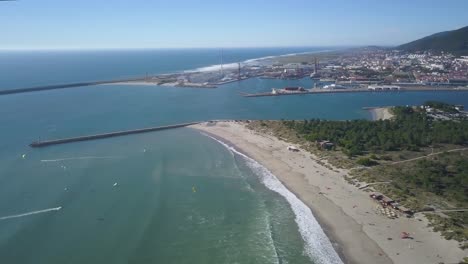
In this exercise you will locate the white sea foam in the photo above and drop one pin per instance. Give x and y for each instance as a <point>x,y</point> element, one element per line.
<point>82,158</point>
<point>217,67</point>
<point>230,66</point>
<point>31,213</point>
<point>279,56</point>
<point>317,245</point>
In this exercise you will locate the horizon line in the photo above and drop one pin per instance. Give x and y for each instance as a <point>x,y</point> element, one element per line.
<point>180,48</point>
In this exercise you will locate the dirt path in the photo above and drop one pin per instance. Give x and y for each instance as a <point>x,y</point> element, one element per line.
<point>429,155</point>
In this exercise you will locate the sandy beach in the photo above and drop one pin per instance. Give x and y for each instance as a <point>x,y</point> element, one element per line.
<point>348,216</point>
<point>381,113</point>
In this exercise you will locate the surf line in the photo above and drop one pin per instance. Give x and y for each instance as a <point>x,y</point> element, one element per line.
<point>31,213</point>
<point>316,244</point>
<point>82,158</point>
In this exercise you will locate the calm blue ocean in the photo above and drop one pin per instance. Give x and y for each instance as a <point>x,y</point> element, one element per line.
<point>180,196</point>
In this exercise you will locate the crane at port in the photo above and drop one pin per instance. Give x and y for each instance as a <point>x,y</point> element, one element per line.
<point>222,70</point>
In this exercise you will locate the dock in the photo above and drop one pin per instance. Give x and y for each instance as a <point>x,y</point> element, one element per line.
<point>360,90</point>
<point>273,94</point>
<point>39,144</point>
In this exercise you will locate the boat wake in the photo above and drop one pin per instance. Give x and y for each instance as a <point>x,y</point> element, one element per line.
<point>317,245</point>
<point>82,158</point>
<point>31,213</point>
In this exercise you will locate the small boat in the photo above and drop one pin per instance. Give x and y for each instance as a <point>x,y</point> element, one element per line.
<point>115,184</point>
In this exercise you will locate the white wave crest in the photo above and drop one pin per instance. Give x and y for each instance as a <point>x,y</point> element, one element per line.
<point>216,67</point>
<point>317,245</point>
<point>31,213</point>
<point>231,66</point>
<point>284,55</point>
<point>275,56</point>
<point>82,158</point>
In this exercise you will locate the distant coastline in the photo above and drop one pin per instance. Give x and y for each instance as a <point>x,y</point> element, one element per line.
<point>318,65</point>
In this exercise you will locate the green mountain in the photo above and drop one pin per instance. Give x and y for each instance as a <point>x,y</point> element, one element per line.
<point>455,41</point>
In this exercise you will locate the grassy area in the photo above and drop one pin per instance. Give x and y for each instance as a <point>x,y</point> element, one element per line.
<point>429,183</point>
<point>451,225</point>
<point>437,181</point>
<point>324,56</point>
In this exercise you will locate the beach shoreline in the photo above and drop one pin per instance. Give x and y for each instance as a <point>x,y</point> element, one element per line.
<point>380,113</point>
<point>325,227</point>
<point>346,214</point>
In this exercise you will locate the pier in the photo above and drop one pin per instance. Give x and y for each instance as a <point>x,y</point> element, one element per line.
<point>64,86</point>
<point>38,144</point>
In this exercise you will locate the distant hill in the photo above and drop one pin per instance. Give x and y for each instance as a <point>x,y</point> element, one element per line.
<point>455,41</point>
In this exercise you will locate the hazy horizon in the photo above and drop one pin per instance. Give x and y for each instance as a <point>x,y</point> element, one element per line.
<point>173,48</point>
<point>96,25</point>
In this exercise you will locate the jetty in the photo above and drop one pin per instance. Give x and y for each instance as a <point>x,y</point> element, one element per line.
<point>64,86</point>
<point>38,144</point>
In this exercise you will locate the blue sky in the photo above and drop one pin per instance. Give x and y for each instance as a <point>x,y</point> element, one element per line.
<point>89,24</point>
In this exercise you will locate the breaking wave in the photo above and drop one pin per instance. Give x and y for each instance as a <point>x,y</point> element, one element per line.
<point>317,245</point>
<point>216,67</point>
<point>230,66</point>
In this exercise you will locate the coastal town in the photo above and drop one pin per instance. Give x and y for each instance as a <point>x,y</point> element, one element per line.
<point>361,69</point>
<point>366,69</point>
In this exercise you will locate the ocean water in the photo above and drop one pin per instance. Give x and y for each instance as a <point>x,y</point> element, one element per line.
<point>31,68</point>
<point>179,196</point>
